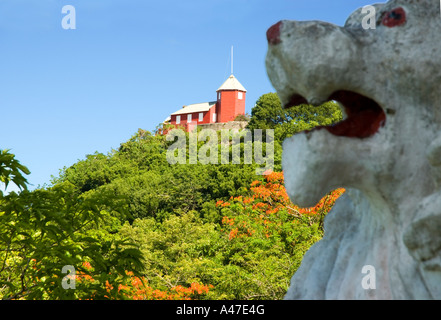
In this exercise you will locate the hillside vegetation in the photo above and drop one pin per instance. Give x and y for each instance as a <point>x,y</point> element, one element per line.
<point>134,226</point>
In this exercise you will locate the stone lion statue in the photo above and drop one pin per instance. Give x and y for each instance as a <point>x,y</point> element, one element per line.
<point>386,152</point>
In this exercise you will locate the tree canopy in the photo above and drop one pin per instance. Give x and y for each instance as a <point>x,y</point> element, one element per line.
<point>268,113</point>
<point>135,226</point>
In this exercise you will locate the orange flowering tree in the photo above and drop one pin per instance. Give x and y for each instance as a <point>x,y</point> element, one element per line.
<point>268,234</point>
<point>137,288</point>
<point>268,208</point>
<point>250,252</point>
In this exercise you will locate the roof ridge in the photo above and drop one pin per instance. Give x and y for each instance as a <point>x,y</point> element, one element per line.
<point>232,84</point>
<point>195,107</point>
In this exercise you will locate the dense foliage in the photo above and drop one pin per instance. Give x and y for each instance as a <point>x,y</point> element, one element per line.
<point>135,226</point>
<point>268,113</point>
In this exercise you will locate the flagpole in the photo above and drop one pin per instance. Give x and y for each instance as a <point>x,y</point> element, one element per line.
<point>232,58</point>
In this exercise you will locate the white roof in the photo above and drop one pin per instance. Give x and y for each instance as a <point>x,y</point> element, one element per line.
<point>232,84</point>
<point>197,107</point>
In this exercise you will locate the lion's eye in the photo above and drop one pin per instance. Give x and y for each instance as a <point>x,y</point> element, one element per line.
<point>395,17</point>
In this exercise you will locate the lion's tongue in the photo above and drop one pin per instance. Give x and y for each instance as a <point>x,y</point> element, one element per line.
<point>362,124</point>
<point>364,116</point>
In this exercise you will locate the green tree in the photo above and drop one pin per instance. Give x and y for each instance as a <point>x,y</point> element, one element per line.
<point>180,250</point>
<point>136,180</point>
<point>46,229</point>
<point>268,113</point>
<point>11,170</point>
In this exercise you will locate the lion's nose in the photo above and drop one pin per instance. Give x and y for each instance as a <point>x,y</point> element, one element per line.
<point>273,33</point>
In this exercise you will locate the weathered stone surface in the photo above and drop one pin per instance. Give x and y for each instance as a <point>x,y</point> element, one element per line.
<point>388,158</point>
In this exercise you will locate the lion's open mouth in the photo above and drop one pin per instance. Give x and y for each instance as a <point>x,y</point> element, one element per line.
<point>364,116</point>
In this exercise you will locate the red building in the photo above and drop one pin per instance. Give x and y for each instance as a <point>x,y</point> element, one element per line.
<point>229,104</point>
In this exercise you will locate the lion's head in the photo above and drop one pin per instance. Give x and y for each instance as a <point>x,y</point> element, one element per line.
<point>386,150</point>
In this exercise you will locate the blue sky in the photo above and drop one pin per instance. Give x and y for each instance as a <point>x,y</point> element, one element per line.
<point>127,65</point>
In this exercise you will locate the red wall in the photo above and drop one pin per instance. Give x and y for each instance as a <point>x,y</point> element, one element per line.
<point>208,118</point>
<point>194,118</point>
<point>229,105</point>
